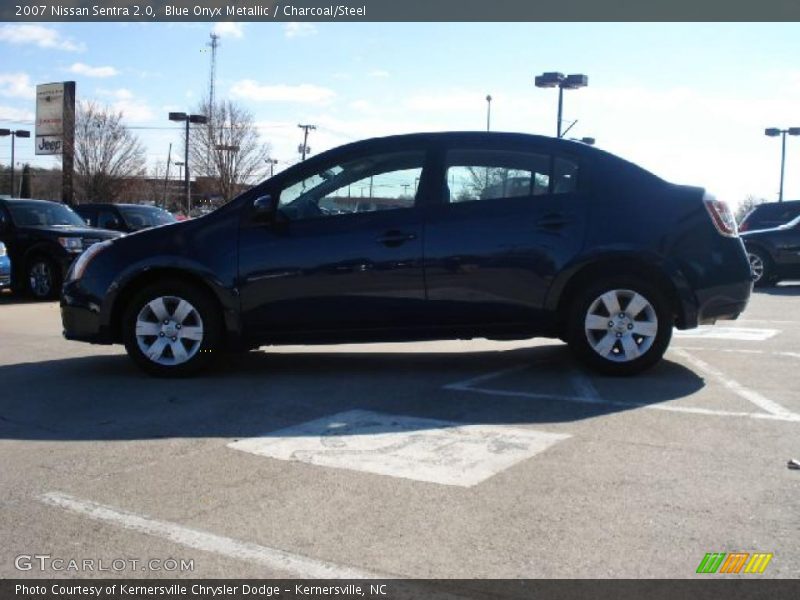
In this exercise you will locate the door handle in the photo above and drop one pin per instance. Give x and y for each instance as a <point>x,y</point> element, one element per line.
<point>395,238</point>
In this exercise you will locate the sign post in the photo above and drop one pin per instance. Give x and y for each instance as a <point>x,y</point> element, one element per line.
<point>55,129</point>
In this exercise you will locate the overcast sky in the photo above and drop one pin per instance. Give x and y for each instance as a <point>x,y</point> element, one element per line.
<point>688,101</point>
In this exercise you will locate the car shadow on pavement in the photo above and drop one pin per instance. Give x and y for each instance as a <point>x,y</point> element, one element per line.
<point>8,297</point>
<point>107,398</point>
<point>785,289</point>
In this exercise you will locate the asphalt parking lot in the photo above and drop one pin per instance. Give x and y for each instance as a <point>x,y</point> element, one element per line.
<point>469,459</point>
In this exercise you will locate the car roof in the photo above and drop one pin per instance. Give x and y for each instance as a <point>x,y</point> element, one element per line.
<point>20,200</point>
<point>573,147</point>
<point>106,204</point>
<point>469,136</point>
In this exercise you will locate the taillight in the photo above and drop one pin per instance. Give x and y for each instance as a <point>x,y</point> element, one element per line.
<point>721,215</point>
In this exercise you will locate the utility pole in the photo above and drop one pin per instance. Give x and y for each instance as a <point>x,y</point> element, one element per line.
<point>304,149</point>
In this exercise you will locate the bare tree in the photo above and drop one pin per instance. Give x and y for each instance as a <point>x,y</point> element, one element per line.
<point>107,155</point>
<point>229,149</point>
<point>746,205</point>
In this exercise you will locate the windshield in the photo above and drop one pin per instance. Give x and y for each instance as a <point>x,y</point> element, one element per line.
<point>43,214</point>
<point>141,217</point>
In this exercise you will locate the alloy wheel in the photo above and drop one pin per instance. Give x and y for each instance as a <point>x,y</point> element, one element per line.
<point>756,266</point>
<point>40,278</point>
<point>621,325</point>
<point>169,330</point>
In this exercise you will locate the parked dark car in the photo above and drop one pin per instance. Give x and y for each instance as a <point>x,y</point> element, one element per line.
<point>774,254</point>
<point>599,252</point>
<point>42,239</point>
<point>124,217</point>
<point>769,215</point>
<point>5,268</point>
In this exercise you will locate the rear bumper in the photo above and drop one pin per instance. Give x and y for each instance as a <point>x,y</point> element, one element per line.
<point>722,302</point>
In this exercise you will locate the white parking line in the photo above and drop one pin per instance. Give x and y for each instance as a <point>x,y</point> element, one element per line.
<point>588,394</point>
<point>739,351</point>
<point>715,332</point>
<point>468,383</point>
<point>280,560</point>
<point>443,452</point>
<point>737,388</point>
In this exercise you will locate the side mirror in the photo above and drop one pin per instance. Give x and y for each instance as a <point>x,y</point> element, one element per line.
<point>264,208</point>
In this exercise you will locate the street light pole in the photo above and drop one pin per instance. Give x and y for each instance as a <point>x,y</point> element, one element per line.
<point>200,119</point>
<point>562,82</point>
<point>488,111</point>
<point>783,163</point>
<point>560,110</point>
<point>186,173</point>
<point>14,134</point>
<point>775,132</point>
<point>271,162</point>
<point>179,164</point>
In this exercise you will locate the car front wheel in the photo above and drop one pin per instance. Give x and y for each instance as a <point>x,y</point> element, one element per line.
<point>172,329</point>
<point>620,327</point>
<point>44,280</point>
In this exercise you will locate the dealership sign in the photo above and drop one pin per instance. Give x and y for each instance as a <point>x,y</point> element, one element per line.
<point>52,104</point>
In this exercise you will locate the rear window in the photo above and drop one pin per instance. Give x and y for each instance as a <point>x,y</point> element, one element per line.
<point>772,214</point>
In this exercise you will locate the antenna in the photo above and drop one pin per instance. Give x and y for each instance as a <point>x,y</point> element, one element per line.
<point>213,44</point>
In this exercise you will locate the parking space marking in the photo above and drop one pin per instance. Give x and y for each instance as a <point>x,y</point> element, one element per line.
<point>715,332</point>
<point>273,558</point>
<point>588,394</point>
<point>737,388</point>
<point>740,351</point>
<point>429,450</point>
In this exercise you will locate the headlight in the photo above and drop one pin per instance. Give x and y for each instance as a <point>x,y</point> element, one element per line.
<point>84,259</point>
<point>71,244</point>
<point>3,249</point>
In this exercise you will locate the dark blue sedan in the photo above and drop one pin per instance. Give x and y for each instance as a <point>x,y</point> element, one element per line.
<point>417,237</point>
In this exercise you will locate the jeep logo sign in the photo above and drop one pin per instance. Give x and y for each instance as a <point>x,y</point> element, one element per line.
<point>49,145</point>
<point>50,98</point>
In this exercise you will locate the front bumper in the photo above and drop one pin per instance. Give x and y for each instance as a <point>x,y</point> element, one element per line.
<point>5,273</point>
<point>80,316</point>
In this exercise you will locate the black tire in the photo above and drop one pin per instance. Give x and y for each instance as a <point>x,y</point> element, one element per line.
<point>765,277</point>
<point>618,331</point>
<point>201,352</point>
<point>42,278</point>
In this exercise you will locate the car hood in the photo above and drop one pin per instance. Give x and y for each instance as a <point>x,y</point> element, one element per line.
<point>76,231</point>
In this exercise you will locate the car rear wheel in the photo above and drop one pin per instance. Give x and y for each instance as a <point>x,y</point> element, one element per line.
<point>761,267</point>
<point>43,278</point>
<point>172,329</point>
<point>620,327</point>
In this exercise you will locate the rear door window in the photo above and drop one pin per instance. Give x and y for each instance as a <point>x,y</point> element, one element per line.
<point>474,175</point>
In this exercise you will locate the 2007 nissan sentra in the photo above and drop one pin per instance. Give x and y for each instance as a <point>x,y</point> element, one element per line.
<point>418,237</point>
